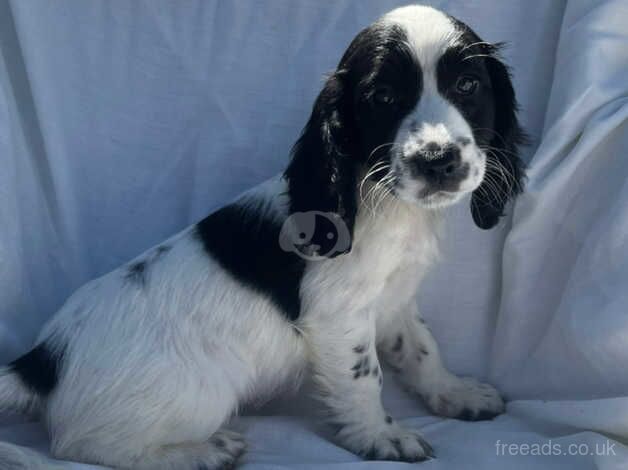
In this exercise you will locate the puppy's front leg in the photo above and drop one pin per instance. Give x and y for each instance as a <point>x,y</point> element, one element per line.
<point>408,346</point>
<point>349,379</point>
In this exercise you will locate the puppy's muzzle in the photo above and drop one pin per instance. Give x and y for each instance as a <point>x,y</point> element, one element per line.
<point>441,166</point>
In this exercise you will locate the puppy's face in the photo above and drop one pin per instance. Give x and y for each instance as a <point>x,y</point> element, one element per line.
<point>425,105</point>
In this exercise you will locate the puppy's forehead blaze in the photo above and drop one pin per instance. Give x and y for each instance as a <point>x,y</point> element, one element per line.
<point>429,32</point>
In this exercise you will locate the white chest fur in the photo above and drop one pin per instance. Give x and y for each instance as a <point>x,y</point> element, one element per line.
<point>397,238</point>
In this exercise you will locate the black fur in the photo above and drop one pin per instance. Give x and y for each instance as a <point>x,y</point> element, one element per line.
<point>39,369</point>
<point>245,241</point>
<point>346,125</point>
<point>496,127</point>
<point>398,346</point>
<point>504,151</point>
<point>362,368</point>
<point>137,272</point>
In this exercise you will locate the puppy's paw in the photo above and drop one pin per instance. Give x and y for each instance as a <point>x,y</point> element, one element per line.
<point>464,398</point>
<point>227,447</point>
<point>389,442</point>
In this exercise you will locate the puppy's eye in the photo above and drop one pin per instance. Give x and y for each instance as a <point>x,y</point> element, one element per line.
<point>466,85</point>
<point>384,95</point>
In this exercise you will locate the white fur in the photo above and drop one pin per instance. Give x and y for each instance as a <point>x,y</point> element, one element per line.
<point>151,376</point>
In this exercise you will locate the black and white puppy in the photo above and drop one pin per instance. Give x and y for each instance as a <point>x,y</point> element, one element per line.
<point>315,270</point>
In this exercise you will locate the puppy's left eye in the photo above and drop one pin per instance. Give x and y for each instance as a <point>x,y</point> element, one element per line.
<point>384,95</point>
<point>466,85</point>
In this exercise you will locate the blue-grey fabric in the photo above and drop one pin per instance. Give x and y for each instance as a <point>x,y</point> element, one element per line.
<point>122,122</point>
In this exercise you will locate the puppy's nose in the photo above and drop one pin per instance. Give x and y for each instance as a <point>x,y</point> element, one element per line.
<point>440,162</point>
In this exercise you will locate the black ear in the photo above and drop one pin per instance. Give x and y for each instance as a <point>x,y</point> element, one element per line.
<point>505,172</point>
<point>322,173</point>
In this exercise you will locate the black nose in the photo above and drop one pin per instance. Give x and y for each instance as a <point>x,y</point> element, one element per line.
<point>438,163</point>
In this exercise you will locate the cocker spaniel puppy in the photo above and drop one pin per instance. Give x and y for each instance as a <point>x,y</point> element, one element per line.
<point>315,270</point>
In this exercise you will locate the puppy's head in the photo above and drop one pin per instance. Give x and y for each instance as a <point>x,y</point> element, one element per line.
<point>421,105</point>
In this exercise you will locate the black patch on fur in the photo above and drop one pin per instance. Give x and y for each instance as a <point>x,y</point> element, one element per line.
<point>492,113</point>
<point>244,239</point>
<point>359,349</point>
<point>424,351</point>
<point>136,272</point>
<point>389,420</point>
<point>218,442</point>
<point>398,346</point>
<point>362,368</point>
<point>39,369</point>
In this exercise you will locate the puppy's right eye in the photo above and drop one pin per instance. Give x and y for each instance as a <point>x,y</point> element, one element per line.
<point>383,96</point>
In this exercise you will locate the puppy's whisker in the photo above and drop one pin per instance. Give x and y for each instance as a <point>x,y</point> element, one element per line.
<point>379,147</point>
<point>478,43</point>
<point>475,55</point>
<point>376,168</point>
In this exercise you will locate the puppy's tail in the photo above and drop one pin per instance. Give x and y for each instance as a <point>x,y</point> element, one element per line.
<point>14,457</point>
<point>28,380</point>
<point>15,396</point>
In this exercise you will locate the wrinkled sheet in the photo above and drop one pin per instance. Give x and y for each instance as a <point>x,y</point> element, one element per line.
<point>123,122</point>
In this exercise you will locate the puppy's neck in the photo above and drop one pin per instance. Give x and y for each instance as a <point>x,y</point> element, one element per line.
<point>396,229</point>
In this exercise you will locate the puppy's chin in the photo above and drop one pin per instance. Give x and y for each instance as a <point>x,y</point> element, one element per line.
<point>418,193</point>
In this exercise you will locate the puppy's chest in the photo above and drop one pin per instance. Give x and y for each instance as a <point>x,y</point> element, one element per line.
<point>405,241</point>
<point>388,247</point>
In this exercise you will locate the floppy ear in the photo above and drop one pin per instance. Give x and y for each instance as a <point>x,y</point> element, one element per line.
<point>505,172</point>
<point>322,173</point>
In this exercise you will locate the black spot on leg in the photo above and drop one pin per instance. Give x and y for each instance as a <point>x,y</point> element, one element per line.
<point>397,444</point>
<point>398,344</point>
<point>137,272</point>
<point>360,348</point>
<point>389,420</point>
<point>218,442</point>
<point>380,380</point>
<point>424,351</point>
<point>375,371</point>
<point>362,368</point>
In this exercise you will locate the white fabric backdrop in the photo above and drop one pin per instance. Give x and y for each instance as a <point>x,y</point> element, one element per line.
<point>123,122</point>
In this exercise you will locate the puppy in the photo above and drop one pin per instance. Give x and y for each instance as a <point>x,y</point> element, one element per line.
<point>315,270</point>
